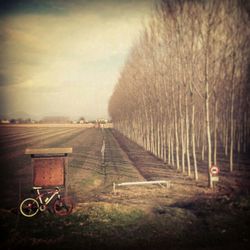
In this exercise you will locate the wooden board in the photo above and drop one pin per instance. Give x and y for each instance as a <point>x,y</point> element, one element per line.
<point>49,172</point>
<point>47,151</point>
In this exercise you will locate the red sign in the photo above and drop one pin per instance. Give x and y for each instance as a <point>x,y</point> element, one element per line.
<point>214,170</point>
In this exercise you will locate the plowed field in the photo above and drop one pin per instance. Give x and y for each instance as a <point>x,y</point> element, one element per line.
<point>188,215</point>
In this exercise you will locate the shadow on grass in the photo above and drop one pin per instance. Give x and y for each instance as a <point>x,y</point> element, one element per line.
<point>204,223</point>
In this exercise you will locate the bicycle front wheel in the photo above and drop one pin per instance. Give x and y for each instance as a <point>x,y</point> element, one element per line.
<point>29,207</point>
<point>63,206</point>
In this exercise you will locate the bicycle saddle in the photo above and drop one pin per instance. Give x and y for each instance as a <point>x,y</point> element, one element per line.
<point>36,188</point>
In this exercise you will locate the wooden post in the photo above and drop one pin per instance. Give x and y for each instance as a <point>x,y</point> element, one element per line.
<point>103,152</point>
<point>66,168</point>
<point>114,190</point>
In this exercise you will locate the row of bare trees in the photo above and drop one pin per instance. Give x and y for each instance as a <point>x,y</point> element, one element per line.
<point>183,92</point>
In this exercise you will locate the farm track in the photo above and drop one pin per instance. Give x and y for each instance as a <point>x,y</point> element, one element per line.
<point>85,172</point>
<point>117,168</point>
<point>117,165</point>
<point>147,167</point>
<point>89,177</point>
<point>150,167</point>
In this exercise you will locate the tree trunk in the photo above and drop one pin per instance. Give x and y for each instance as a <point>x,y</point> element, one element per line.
<point>169,147</point>
<point>182,137</point>
<point>209,160</point>
<point>193,146</point>
<point>187,139</point>
<point>232,130</point>
<point>176,139</point>
<point>215,133</point>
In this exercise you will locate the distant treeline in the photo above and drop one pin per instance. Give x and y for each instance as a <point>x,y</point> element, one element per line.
<point>183,93</point>
<point>53,120</point>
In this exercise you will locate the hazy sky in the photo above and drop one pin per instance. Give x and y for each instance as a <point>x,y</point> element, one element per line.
<point>62,57</point>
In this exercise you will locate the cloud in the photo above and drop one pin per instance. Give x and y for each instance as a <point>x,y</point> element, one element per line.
<point>30,6</point>
<point>75,55</point>
<point>9,80</point>
<point>3,80</point>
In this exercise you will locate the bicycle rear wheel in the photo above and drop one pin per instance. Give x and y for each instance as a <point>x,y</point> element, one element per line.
<point>63,206</point>
<point>29,207</point>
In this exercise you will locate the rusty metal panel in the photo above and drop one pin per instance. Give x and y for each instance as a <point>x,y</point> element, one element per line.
<point>49,172</point>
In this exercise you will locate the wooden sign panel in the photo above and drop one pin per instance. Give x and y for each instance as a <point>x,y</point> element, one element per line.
<point>49,166</point>
<point>49,171</point>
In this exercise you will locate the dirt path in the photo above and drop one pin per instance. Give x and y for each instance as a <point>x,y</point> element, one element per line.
<point>89,176</point>
<point>148,167</point>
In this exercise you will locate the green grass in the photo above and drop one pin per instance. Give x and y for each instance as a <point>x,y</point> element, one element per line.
<point>217,224</point>
<point>96,225</point>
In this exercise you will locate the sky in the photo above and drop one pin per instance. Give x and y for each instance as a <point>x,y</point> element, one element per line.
<point>60,57</point>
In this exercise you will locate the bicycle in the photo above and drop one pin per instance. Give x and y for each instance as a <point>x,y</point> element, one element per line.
<point>62,206</point>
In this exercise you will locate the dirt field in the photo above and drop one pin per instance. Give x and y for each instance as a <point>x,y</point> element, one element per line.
<point>188,215</point>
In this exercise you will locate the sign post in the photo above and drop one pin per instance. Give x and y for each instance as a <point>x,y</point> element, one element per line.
<point>214,172</point>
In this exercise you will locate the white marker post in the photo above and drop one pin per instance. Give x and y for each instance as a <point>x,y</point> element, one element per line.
<point>103,152</point>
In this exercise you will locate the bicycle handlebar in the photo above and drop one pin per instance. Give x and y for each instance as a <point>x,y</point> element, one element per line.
<point>42,188</point>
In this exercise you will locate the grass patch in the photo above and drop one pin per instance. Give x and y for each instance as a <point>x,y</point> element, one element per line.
<point>102,225</point>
